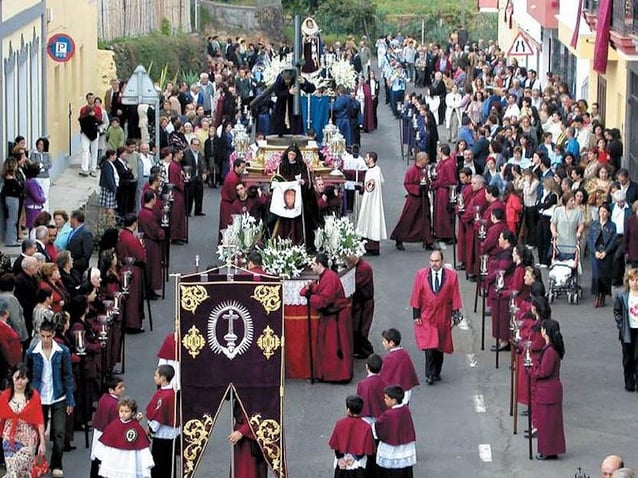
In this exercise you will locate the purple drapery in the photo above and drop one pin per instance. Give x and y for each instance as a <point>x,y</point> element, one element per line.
<point>601,47</point>
<point>231,338</point>
<point>579,17</point>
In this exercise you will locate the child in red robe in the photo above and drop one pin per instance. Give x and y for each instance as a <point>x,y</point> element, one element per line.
<point>398,368</point>
<point>396,453</point>
<point>161,414</point>
<point>124,448</point>
<point>352,441</point>
<point>371,390</point>
<point>105,413</point>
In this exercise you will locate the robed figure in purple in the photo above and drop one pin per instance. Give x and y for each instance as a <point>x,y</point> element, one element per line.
<point>445,177</point>
<point>549,393</point>
<point>333,352</point>
<point>414,222</point>
<point>153,237</point>
<point>129,246</point>
<point>178,208</point>
<point>362,307</point>
<point>476,203</point>
<point>498,281</point>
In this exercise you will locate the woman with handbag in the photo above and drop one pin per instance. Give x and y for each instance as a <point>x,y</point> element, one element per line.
<point>22,426</point>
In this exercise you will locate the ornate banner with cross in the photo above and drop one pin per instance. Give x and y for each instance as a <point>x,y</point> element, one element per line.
<point>231,341</point>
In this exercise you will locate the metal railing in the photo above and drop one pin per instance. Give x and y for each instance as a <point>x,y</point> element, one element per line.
<point>591,6</point>
<point>624,17</point>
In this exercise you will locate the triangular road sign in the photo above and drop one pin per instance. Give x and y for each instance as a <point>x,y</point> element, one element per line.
<point>520,46</point>
<point>139,89</point>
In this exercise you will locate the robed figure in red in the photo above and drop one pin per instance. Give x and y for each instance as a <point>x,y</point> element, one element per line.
<point>229,195</point>
<point>476,203</point>
<point>490,245</point>
<point>464,197</point>
<point>364,95</point>
<point>549,393</point>
<point>414,222</point>
<point>362,306</point>
<point>333,352</point>
<point>436,305</point>
<point>130,248</point>
<point>445,178</point>
<point>178,208</point>
<point>371,388</point>
<point>153,237</point>
<point>247,455</point>
<point>352,442</point>
<point>498,282</point>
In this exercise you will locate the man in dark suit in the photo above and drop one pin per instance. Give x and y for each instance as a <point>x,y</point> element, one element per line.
<point>80,243</point>
<point>41,237</point>
<point>626,184</point>
<point>26,286</point>
<point>194,158</point>
<point>127,183</point>
<point>28,249</point>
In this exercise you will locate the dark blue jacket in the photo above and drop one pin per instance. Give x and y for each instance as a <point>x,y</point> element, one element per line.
<point>61,368</point>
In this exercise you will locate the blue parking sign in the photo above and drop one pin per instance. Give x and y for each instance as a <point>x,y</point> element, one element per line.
<point>61,47</point>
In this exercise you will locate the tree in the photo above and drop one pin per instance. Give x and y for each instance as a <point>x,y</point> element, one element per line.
<point>347,17</point>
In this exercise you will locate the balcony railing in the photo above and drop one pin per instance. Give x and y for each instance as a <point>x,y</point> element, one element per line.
<point>624,17</point>
<point>591,6</point>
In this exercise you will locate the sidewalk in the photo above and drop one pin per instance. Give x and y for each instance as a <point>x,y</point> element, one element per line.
<point>68,192</point>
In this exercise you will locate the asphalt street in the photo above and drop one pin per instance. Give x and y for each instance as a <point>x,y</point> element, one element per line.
<point>463,423</point>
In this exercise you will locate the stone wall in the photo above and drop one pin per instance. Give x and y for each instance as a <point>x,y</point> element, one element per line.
<point>266,18</point>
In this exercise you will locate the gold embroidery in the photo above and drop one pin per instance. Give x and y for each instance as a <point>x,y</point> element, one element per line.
<point>268,296</point>
<point>196,434</point>
<point>192,296</point>
<point>268,433</point>
<point>194,341</point>
<point>268,342</point>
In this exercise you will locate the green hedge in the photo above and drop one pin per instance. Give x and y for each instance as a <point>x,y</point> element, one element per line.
<point>178,53</point>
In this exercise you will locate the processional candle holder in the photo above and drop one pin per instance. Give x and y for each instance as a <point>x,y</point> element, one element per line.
<point>500,280</point>
<point>126,282</point>
<point>512,303</point>
<point>169,192</point>
<point>432,172</point>
<point>197,262</point>
<point>477,213</point>
<point>415,122</point>
<point>116,303</point>
<point>328,132</point>
<point>108,306</point>
<point>103,334</point>
<point>527,360</point>
<point>80,341</point>
<point>453,195</point>
<point>188,171</point>
<point>461,203</point>
<point>241,140</point>
<point>482,229</point>
<point>517,332</point>
<point>337,147</point>
<point>483,264</point>
<point>166,215</point>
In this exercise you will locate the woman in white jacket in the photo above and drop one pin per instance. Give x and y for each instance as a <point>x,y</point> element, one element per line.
<point>453,113</point>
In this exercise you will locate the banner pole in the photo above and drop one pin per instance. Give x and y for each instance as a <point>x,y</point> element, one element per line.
<point>312,360</point>
<point>178,396</point>
<point>232,420</point>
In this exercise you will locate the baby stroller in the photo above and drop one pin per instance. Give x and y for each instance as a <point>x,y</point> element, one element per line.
<point>564,273</point>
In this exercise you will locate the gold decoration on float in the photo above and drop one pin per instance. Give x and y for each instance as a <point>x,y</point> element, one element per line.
<point>268,296</point>
<point>194,341</point>
<point>268,433</point>
<point>192,296</point>
<point>268,342</point>
<point>196,434</point>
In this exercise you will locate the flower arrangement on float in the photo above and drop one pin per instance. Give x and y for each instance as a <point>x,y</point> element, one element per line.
<point>280,257</point>
<point>271,161</point>
<point>338,239</point>
<point>329,160</point>
<point>272,70</point>
<point>240,238</point>
<point>343,73</point>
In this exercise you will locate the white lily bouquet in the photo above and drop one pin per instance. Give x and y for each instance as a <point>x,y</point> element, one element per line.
<point>281,257</point>
<point>339,239</point>
<point>343,73</point>
<point>240,237</point>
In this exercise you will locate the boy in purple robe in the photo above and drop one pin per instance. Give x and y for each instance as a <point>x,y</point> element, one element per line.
<point>397,364</point>
<point>396,453</point>
<point>352,441</point>
<point>371,390</point>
